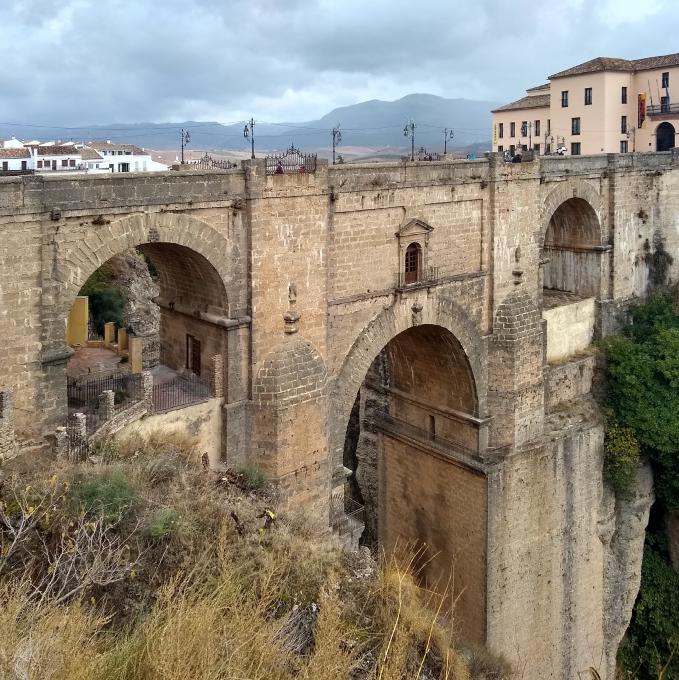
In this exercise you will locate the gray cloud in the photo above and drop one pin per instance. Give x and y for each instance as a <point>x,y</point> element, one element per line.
<point>72,62</point>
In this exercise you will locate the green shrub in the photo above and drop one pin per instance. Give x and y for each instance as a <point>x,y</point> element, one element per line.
<point>161,469</point>
<point>109,495</point>
<point>119,396</point>
<point>253,476</point>
<point>106,303</point>
<point>621,459</point>
<point>163,523</point>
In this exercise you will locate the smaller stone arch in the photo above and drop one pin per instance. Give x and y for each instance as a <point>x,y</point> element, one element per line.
<point>572,239</point>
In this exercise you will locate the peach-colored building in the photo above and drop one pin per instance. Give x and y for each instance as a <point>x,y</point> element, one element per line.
<point>605,105</point>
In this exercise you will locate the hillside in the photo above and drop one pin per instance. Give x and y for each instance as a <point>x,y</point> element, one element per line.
<point>373,124</point>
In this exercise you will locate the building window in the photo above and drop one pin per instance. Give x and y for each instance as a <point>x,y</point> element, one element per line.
<point>500,147</point>
<point>623,97</point>
<point>64,163</point>
<point>575,149</point>
<point>512,129</point>
<point>537,128</point>
<point>5,166</point>
<point>623,146</point>
<point>536,147</point>
<point>575,126</point>
<point>564,99</point>
<point>512,149</point>
<point>666,79</point>
<point>524,128</point>
<point>623,125</point>
<point>24,165</point>
<point>40,164</point>
<point>549,126</point>
<point>664,104</point>
<point>72,162</point>
<point>193,354</point>
<point>500,130</point>
<point>548,148</point>
<point>412,263</point>
<point>588,96</point>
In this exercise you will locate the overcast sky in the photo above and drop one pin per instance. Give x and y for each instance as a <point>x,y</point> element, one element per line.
<point>74,62</point>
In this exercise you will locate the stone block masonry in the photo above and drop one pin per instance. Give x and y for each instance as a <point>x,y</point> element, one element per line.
<point>236,251</point>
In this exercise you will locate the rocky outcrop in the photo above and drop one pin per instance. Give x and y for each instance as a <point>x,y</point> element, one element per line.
<point>131,276</point>
<point>624,532</point>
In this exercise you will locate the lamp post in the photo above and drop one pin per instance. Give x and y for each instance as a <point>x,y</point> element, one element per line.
<point>336,139</point>
<point>409,131</point>
<point>186,138</point>
<point>447,135</point>
<point>249,132</point>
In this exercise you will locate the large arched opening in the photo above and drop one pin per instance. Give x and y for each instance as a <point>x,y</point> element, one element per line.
<point>171,319</point>
<point>664,137</point>
<point>412,446</point>
<point>572,250</point>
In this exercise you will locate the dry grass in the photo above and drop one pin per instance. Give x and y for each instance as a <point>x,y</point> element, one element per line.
<point>218,594</point>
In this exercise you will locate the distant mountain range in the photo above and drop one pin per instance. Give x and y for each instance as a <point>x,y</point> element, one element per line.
<point>374,125</point>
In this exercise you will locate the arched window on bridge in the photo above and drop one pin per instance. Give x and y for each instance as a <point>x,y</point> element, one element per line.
<point>413,263</point>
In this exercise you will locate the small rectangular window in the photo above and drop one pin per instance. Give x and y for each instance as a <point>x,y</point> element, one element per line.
<point>536,147</point>
<point>575,149</point>
<point>500,130</point>
<point>24,165</point>
<point>666,79</point>
<point>575,126</point>
<point>512,129</point>
<point>64,163</point>
<point>524,128</point>
<point>564,99</point>
<point>537,128</point>
<point>512,149</point>
<point>500,148</point>
<point>588,96</point>
<point>40,164</point>
<point>623,146</point>
<point>5,165</point>
<point>623,125</point>
<point>71,162</point>
<point>548,149</point>
<point>664,104</point>
<point>623,96</point>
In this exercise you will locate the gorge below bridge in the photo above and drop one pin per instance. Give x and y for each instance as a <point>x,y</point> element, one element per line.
<point>410,337</point>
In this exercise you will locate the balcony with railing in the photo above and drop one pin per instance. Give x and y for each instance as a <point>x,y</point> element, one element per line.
<point>423,278</point>
<point>662,110</point>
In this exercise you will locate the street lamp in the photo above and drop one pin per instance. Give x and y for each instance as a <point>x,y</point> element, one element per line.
<point>447,135</point>
<point>336,139</point>
<point>249,131</point>
<point>409,131</point>
<point>186,138</point>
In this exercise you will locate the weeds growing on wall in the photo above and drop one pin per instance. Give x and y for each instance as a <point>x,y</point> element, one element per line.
<point>643,395</point>
<point>142,565</point>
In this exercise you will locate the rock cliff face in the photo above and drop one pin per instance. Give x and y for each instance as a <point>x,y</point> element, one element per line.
<point>624,530</point>
<point>132,277</point>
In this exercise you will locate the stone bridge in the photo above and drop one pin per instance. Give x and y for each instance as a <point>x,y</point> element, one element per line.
<point>410,337</point>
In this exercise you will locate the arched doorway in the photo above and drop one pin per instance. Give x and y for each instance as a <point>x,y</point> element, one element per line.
<point>664,137</point>
<point>572,250</point>
<point>412,442</point>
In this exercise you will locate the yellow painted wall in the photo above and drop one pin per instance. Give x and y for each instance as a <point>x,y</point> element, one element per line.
<point>76,326</point>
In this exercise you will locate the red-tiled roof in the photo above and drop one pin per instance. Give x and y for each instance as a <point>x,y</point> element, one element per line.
<point>15,153</point>
<point>614,64</point>
<point>89,154</point>
<point>536,101</point>
<point>539,87</point>
<point>56,150</point>
<point>112,146</point>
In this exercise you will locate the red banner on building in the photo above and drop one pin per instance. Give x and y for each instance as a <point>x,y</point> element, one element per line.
<point>642,109</point>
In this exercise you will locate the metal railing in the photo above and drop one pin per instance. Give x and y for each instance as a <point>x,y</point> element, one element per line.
<point>209,163</point>
<point>181,391</point>
<point>662,109</point>
<point>83,395</point>
<point>293,161</point>
<point>427,276</point>
<point>346,514</point>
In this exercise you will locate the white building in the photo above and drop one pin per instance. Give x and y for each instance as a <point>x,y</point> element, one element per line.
<point>15,160</point>
<point>127,157</point>
<point>56,157</point>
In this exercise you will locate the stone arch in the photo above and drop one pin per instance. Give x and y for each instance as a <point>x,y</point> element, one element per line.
<point>87,254</point>
<point>572,238</point>
<point>563,192</point>
<point>438,311</point>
